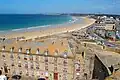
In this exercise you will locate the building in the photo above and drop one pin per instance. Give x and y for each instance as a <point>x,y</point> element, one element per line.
<point>106,29</point>
<point>118,31</point>
<point>118,34</point>
<point>101,32</point>
<point>111,35</point>
<point>51,60</point>
<point>109,20</point>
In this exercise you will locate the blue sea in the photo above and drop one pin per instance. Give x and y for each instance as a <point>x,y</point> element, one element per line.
<point>21,21</point>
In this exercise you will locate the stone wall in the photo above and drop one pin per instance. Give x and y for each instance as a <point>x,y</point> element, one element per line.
<point>100,71</point>
<point>112,49</point>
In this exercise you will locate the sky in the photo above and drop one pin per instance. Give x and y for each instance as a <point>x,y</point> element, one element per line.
<point>59,6</point>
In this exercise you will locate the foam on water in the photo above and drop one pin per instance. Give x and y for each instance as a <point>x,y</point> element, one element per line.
<point>38,27</point>
<point>18,29</point>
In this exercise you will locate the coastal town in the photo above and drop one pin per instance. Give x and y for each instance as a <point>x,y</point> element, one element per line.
<point>91,52</point>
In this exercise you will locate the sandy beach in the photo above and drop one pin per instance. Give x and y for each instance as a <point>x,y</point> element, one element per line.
<point>51,31</point>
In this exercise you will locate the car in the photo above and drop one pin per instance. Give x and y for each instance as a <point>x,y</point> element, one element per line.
<point>110,45</point>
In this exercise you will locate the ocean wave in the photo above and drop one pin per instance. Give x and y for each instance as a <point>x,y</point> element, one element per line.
<point>33,27</point>
<point>29,28</point>
<point>18,29</point>
<point>2,31</point>
<point>38,27</point>
<point>73,20</point>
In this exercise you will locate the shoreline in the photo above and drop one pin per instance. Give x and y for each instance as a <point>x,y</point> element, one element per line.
<point>47,31</point>
<point>71,20</point>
